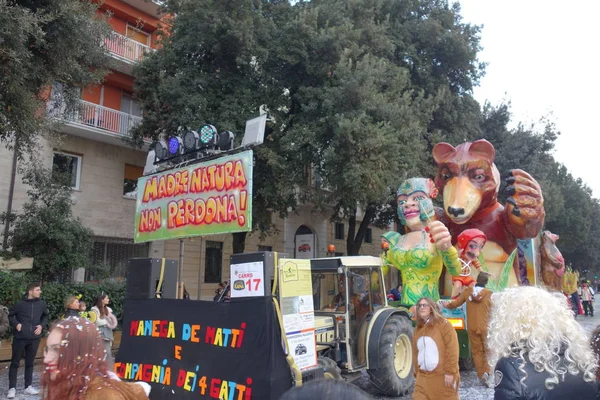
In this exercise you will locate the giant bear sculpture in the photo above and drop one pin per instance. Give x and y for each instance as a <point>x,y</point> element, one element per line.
<point>470,183</point>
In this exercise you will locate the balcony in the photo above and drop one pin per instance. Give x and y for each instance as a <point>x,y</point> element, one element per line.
<point>126,49</point>
<point>95,122</point>
<point>152,7</point>
<point>114,121</point>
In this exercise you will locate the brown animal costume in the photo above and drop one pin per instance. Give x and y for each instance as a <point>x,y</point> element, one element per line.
<point>470,181</point>
<point>479,304</point>
<point>553,263</point>
<point>439,345</point>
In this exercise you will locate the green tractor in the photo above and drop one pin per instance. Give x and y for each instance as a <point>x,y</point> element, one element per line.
<point>356,329</point>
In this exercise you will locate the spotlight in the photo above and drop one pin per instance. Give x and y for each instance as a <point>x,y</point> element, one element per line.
<point>208,136</point>
<point>190,140</point>
<point>225,141</point>
<point>175,145</point>
<point>160,150</point>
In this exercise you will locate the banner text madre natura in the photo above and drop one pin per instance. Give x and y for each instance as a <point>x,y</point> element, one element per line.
<point>225,177</point>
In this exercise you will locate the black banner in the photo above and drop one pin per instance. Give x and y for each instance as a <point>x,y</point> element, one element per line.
<point>197,349</point>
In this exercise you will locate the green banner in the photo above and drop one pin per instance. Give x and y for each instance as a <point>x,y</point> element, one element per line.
<point>208,198</point>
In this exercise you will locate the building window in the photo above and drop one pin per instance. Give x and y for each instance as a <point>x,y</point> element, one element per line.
<point>130,106</point>
<point>132,173</point>
<point>110,256</point>
<point>68,166</point>
<point>138,35</point>
<point>265,248</point>
<point>339,231</point>
<point>213,262</point>
<point>369,235</point>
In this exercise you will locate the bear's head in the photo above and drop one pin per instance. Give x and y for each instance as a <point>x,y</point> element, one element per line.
<point>467,178</point>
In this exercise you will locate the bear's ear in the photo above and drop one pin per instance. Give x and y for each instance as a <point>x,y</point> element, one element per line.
<point>484,149</point>
<point>442,152</point>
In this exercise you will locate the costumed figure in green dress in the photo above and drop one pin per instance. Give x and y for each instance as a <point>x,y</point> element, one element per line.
<point>420,254</point>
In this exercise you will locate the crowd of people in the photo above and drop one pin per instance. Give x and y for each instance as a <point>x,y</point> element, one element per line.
<point>582,300</point>
<point>527,336</point>
<point>78,352</point>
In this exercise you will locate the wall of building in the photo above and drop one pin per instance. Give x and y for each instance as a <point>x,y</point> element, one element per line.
<point>20,190</point>
<point>100,201</point>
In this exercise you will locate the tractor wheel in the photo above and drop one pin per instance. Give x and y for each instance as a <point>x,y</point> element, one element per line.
<point>330,368</point>
<point>394,376</point>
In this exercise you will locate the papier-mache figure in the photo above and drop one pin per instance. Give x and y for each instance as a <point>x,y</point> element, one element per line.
<point>469,243</point>
<point>420,254</point>
<point>470,182</point>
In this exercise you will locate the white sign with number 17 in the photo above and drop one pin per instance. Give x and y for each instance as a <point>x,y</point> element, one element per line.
<point>247,280</point>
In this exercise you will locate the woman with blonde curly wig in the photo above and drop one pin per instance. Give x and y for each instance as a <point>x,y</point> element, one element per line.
<point>538,349</point>
<point>75,366</point>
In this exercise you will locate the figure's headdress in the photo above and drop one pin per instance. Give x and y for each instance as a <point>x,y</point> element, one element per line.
<point>413,185</point>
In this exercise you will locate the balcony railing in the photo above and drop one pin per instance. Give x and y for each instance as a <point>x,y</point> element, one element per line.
<point>126,48</point>
<point>101,117</point>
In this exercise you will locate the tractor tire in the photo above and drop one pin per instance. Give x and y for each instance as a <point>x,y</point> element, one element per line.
<point>394,377</point>
<point>330,368</point>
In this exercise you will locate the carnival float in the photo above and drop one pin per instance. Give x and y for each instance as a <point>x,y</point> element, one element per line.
<point>504,240</point>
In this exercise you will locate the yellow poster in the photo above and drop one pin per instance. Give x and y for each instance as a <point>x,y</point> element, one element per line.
<point>295,289</point>
<point>295,277</point>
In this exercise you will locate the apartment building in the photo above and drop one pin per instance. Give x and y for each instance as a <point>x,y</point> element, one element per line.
<point>105,169</point>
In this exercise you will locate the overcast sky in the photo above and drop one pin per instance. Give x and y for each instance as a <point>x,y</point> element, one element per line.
<point>543,57</point>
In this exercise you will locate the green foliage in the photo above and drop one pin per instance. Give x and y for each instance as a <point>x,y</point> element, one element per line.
<point>41,43</point>
<point>359,92</point>
<point>373,85</point>
<point>55,294</point>
<point>13,285</point>
<point>210,70</point>
<point>46,229</point>
<point>571,212</point>
<point>354,89</point>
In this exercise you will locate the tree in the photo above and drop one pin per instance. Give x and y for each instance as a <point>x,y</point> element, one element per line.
<point>571,212</point>
<point>211,69</point>
<point>43,42</point>
<point>46,229</point>
<point>370,83</point>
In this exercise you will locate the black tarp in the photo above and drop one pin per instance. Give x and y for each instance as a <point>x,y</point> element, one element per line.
<point>198,349</point>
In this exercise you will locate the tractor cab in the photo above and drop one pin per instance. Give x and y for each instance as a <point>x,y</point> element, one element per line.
<point>347,291</point>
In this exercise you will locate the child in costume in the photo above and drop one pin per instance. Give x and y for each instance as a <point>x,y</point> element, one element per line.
<point>83,311</point>
<point>470,243</point>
